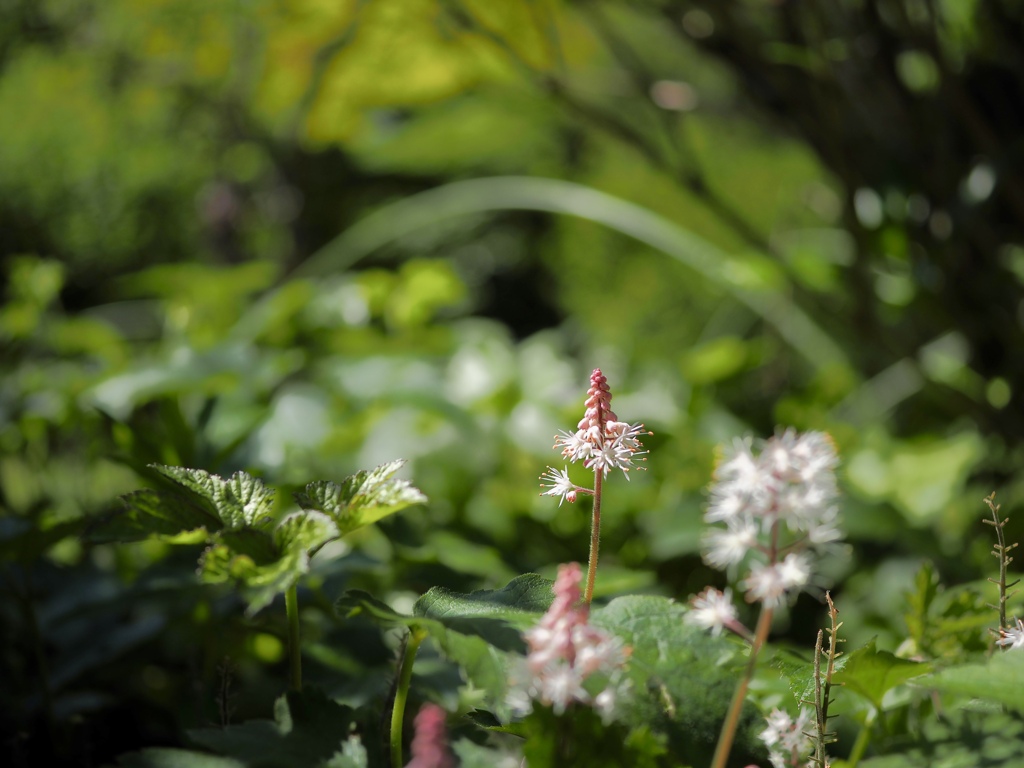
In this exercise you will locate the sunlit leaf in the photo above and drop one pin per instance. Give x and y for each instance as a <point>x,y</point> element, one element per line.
<point>363,498</point>
<point>238,501</point>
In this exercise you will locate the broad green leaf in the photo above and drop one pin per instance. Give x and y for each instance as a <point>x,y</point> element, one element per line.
<point>682,679</point>
<point>241,500</point>
<point>528,593</point>
<point>308,727</point>
<point>161,757</point>
<point>148,512</point>
<point>872,673</point>
<point>362,499</point>
<point>999,679</point>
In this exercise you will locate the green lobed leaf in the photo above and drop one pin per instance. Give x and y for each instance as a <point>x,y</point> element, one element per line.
<point>999,679</point>
<point>683,679</point>
<point>148,513</point>
<point>241,500</point>
<point>266,563</point>
<point>872,673</point>
<point>363,498</point>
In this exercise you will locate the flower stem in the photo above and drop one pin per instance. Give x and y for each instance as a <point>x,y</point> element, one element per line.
<point>412,644</point>
<point>732,718</point>
<point>291,604</point>
<point>595,537</point>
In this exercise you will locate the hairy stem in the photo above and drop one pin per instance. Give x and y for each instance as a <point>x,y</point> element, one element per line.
<point>291,604</point>
<point>595,537</point>
<point>412,644</point>
<point>732,718</point>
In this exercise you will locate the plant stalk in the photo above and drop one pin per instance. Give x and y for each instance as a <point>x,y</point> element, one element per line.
<point>291,604</point>
<point>732,718</point>
<point>595,537</point>
<point>412,644</point>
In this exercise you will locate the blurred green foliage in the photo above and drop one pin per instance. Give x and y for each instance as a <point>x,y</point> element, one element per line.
<point>303,239</point>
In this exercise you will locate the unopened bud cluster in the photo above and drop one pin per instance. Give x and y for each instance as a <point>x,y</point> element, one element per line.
<point>565,651</point>
<point>600,441</point>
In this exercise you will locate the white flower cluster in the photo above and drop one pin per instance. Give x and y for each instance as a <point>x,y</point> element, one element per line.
<point>773,505</point>
<point>565,651</point>
<point>788,743</point>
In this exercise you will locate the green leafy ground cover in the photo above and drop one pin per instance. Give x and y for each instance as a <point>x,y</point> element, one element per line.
<point>276,243</point>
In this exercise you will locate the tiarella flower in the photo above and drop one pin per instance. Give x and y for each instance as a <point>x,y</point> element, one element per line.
<point>712,610</point>
<point>787,739</point>
<point>601,441</point>
<point>564,652</point>
<point>1012,637</point>
<point>775,503</point>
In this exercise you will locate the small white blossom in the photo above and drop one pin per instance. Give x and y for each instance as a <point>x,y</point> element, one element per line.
<point>765,584</point>
<point>728,546</point>
<point>712,610</point>
<point>558,484</point>
<point>1012,637</point>
<point>795,570</point>
<point>786,738</point>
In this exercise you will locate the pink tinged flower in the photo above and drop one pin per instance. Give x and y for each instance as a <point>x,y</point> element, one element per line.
<point>601,441</point>
<point>1012,637</point>
<point>564,650</point>
<point>429,742</point>
<point>561,685</point>
<point>713,610</point>
<point>558,484</point>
